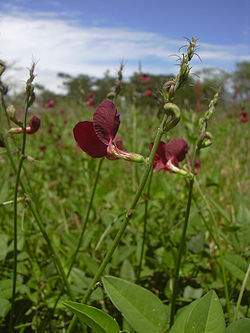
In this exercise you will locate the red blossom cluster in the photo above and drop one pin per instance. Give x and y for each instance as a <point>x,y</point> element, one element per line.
<point>98,139</point>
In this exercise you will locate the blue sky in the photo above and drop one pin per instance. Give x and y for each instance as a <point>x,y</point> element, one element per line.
<point>90,36</point>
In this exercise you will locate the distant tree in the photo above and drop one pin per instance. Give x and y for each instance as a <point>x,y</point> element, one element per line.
<point>241,81</point>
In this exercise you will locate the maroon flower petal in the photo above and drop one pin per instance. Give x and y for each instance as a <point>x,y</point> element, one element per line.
<point>87,139</point>
<point>160,157</point>
<point>106,121</point>
<point>176,148</point>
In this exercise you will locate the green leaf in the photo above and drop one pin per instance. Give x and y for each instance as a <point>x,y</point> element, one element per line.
<point>237,266</point>
<point>142,309</point>
<point>239,326</point>
<point>4,307</point>
<point>95,318</point>
<point>204,315</point>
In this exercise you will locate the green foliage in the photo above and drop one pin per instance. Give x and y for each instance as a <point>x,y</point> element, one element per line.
<point>95,318</point>
<point>142,309</point>
<point>239,326</point>
<point>203,315</point>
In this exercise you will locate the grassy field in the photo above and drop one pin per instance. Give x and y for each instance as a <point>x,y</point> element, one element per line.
<point>59,182</point>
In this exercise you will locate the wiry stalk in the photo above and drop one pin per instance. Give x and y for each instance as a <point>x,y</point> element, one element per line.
<point>29,91</point>
<point>145,220</point>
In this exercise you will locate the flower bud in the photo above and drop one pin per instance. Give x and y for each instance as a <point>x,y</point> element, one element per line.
<point>171,167</point>
<point>114,152</point>
<point>11,111</point>
<point>205,140</point>
<point>33,127</point>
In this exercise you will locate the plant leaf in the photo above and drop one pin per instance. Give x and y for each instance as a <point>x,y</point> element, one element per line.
<point>239,326</point>
<point>203,315</point>
<point>95,318</point>
<point>141,308</point>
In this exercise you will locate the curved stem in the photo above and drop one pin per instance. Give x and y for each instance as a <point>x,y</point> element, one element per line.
<point>144,226</point>
<point>125,222</point>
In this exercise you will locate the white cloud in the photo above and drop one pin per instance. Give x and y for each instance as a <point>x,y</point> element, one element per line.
<point>62,45</point>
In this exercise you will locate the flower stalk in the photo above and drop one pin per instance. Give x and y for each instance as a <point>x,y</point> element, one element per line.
<point>29,101</point>
<point>201,143</point>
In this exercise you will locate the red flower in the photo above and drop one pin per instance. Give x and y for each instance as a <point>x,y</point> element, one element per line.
<point>244,117</point>
<point>49,104</point>
<point>148,93</point>
<point>95,136</point>
<point>98,138</point>
<point>168,155</point>
<point>144,78</point>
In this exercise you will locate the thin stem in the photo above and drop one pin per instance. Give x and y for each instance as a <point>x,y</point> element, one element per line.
<point>125,222</point>
<point>180,253</point>
<point>241,293</point>
<point>18,176</point>
<point>145,220</point>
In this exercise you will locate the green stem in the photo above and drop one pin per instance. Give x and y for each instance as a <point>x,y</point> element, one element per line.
<point>180,253</point>
<point>144,226</point>
<point>125,222</point>
<point>18,177</point>
<point>241,293</point>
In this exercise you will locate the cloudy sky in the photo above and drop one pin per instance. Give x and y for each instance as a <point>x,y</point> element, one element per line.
<point>75,36</point>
